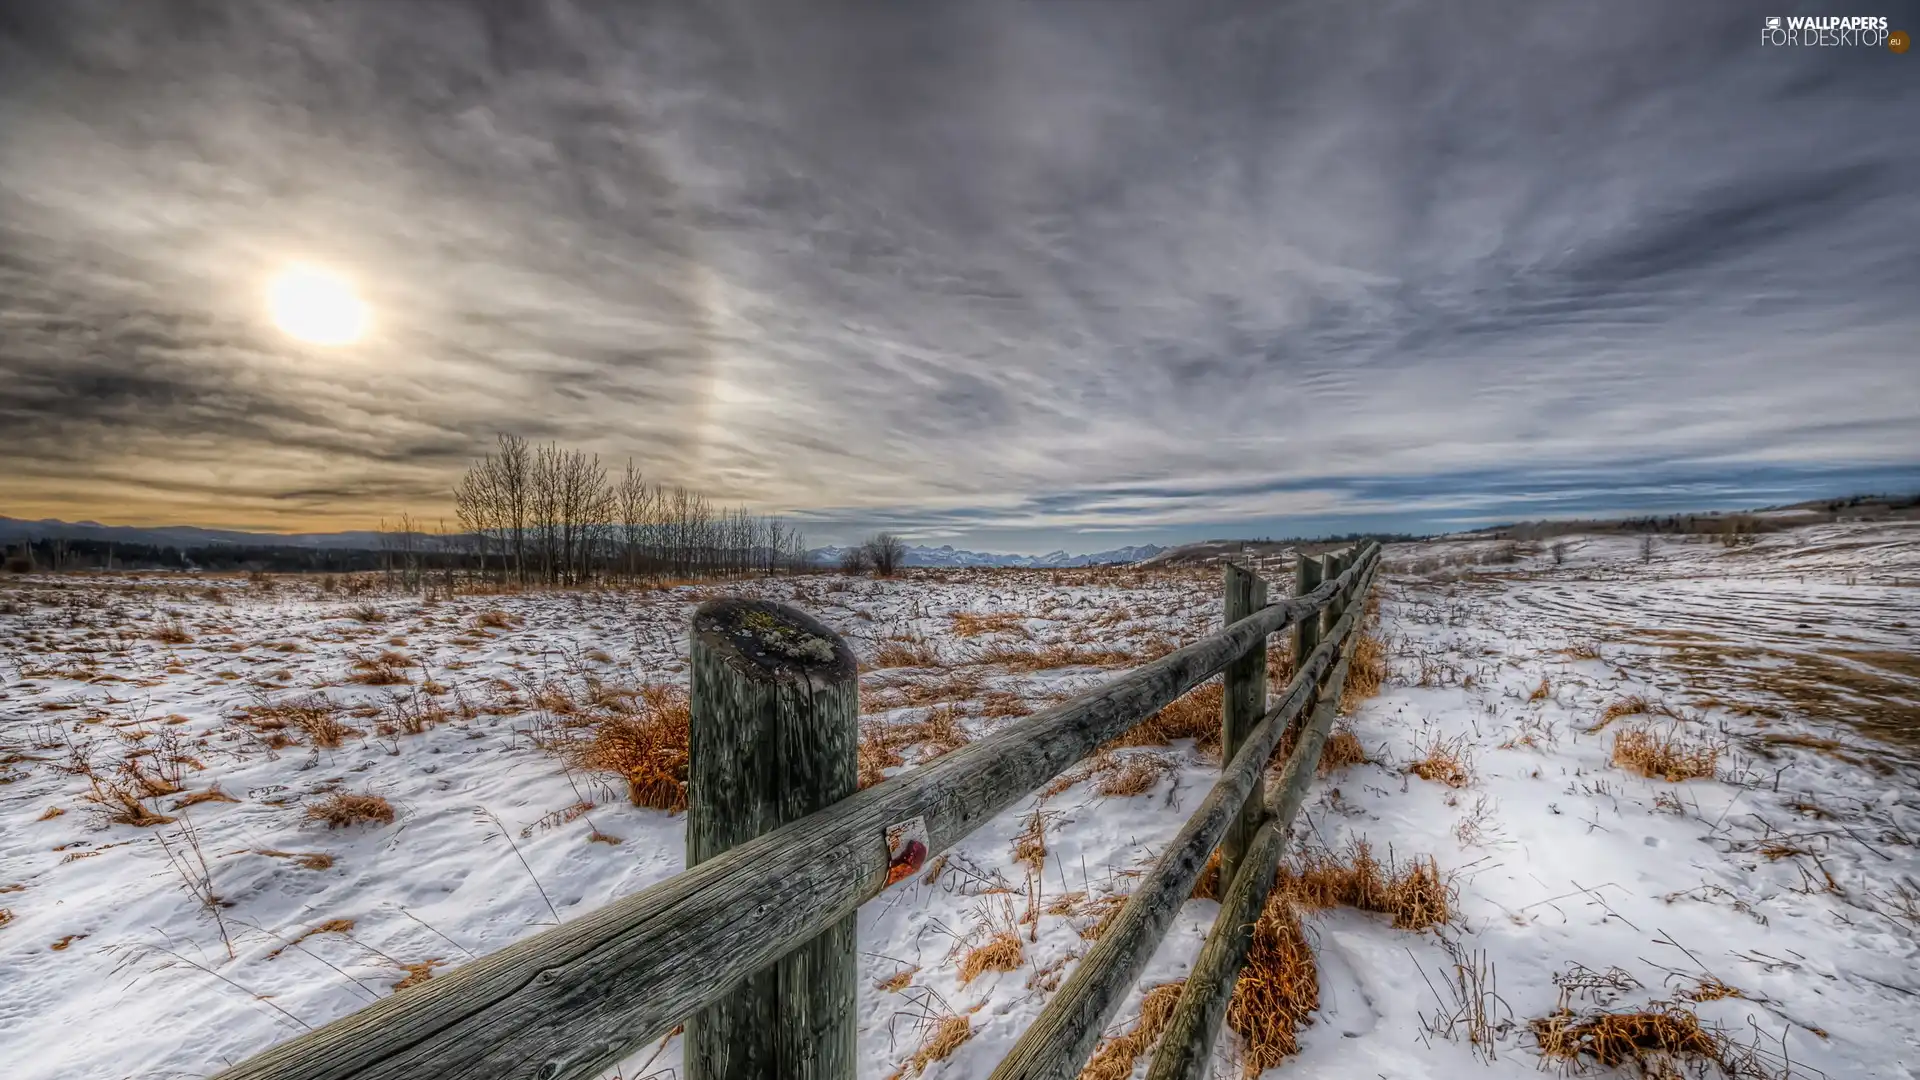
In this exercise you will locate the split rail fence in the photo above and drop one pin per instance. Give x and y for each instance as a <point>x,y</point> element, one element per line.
<point>753,946</point>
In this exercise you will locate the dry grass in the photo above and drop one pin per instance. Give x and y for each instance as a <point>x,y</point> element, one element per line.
<point>646,747</point>
<point>212,794</point>
<point>50,813</point>
<point>417,973</point>
<point>1194,715</point>
<point>943,1038</point>
<point>1342,750</point>
<point>1366,671</point>
<point>897,981</point>
<point>172,632</point>
<point>1058,654</point>
<point>316,716</point>
<point>345,808</point>
<point>1278,990</point>
<point>387,669</point>
<point>1030,847</point>
<point>1541,692</point>
<point>1136,774</point>
<point>905,653</point>
<point>121,804</point>
<point>331,926</point>
<point>1115,1057</point>
<point>306,860</point>
<point>1207,885</point>
<point>1666,1040</point>
<point>1444,761</point>
<point>968,624</point>
<point>1631,705</point>
<point>1000,952</point>
<point>876,755</point>
<point>1415,894</point>
<point>1664,754</point>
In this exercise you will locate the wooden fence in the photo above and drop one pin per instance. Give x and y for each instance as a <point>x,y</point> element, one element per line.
<point>753,946</point>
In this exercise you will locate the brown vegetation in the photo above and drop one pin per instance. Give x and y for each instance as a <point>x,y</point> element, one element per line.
<point>1342,750</point>
<point>1666,755</point>
<point>346,808</point>
<point>1194,715</point>
<point>1366,671</point>
<point>1279,988</point>
<point>1114,1058</point>
<point>1000,952</point>
<point>1444,761</point>
<point>1415,895</point>
<point>647,747</point>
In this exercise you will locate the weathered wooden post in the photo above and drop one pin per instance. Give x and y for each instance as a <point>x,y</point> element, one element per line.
<point>1306,633</point>
<point>775,736</point>
<point>1336,564</point>
<point>1242,704</point>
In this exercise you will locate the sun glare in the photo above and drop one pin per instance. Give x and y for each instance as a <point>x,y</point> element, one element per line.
<point>317,306</point>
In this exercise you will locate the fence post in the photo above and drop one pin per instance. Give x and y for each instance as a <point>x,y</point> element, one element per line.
<point>1336,564</point>
<point>774,736</point>
<point>1306,633</point>
<point>1242,704</point>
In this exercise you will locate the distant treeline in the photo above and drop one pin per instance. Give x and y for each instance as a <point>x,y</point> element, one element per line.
<point>1716,523</point>
<point>63,554</point>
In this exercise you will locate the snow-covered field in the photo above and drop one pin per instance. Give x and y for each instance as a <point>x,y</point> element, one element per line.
<point>175,947</point>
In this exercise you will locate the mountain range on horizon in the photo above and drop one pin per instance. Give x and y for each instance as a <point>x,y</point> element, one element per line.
<point>16,530</point>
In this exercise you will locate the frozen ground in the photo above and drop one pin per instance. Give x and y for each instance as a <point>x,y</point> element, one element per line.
<point>1790,875</point>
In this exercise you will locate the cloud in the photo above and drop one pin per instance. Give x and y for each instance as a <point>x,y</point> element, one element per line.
<point>1026,268</point>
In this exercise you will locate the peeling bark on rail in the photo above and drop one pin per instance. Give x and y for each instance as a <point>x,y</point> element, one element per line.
<point>1063,1036</point>
<point>570,1002</point>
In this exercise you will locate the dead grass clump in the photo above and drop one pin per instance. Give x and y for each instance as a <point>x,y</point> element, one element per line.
<point>1631,705</point>
<point>1207,885</point>
<point>1114,1058</point>
<point>1444,761</point>
<point>942,730</point>
<point>212,794</point>
<point>1664,754</point>
<point>1278,990</point>
<point>975,623</point>
<point>875,756</point>
<point>51,813</point>
<point>316,716</point>
<point>1366,671</point>
<point>366,613</point>
<point>331,926</point>
<point>905,652</point>
<point>1004,704</point>
<point>346,808</point>
<point>1136,775</point>
<point>1541,692</point>
<point>647,748</point>
<point>1000,952</point>
<point>121,804</point>
<point>417,973</point>
<point>943,1038</point>
<point>494,618</point>
<point>1658,1042</point>
<point>387,669</point>
<point>1415,894</point>
<point>1342,750</point>
<point>172,632</point>
<point>1030,847</point>
<point>306,860</point>
<point>1194,715</point>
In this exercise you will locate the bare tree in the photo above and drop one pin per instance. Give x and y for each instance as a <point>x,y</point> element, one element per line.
<point>1646,547</point>
<point>855,559</point>
<point>1559,550</point>
<point>887,552</point>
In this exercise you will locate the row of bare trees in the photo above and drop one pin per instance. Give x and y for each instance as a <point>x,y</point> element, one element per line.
<point>548,515</point>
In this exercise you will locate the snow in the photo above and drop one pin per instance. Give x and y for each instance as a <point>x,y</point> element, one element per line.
<point>1559,856</point>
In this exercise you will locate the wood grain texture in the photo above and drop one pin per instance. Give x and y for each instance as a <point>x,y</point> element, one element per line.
<point>1065,1033</point>
<point>1186,1047</point>
<point>1242,704</point>
<point>775,736</point>
<point>1307,574</point>
<point>569,1002</point>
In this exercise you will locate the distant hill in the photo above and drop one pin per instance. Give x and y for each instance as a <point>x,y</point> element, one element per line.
<point>948,555</point>
<point>16,530</point>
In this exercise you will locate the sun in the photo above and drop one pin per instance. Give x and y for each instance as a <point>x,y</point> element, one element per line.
<point>317,306</point>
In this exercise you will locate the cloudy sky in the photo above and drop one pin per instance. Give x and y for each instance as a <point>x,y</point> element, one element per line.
<point>1010,276</point>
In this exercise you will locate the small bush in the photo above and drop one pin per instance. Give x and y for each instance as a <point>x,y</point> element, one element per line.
<point>345,808</point>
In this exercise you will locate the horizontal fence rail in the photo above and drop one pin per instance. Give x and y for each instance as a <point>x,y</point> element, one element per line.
<point>570,1002</point>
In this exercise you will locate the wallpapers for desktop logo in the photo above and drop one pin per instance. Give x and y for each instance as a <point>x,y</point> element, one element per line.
<point>1868,31</point>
